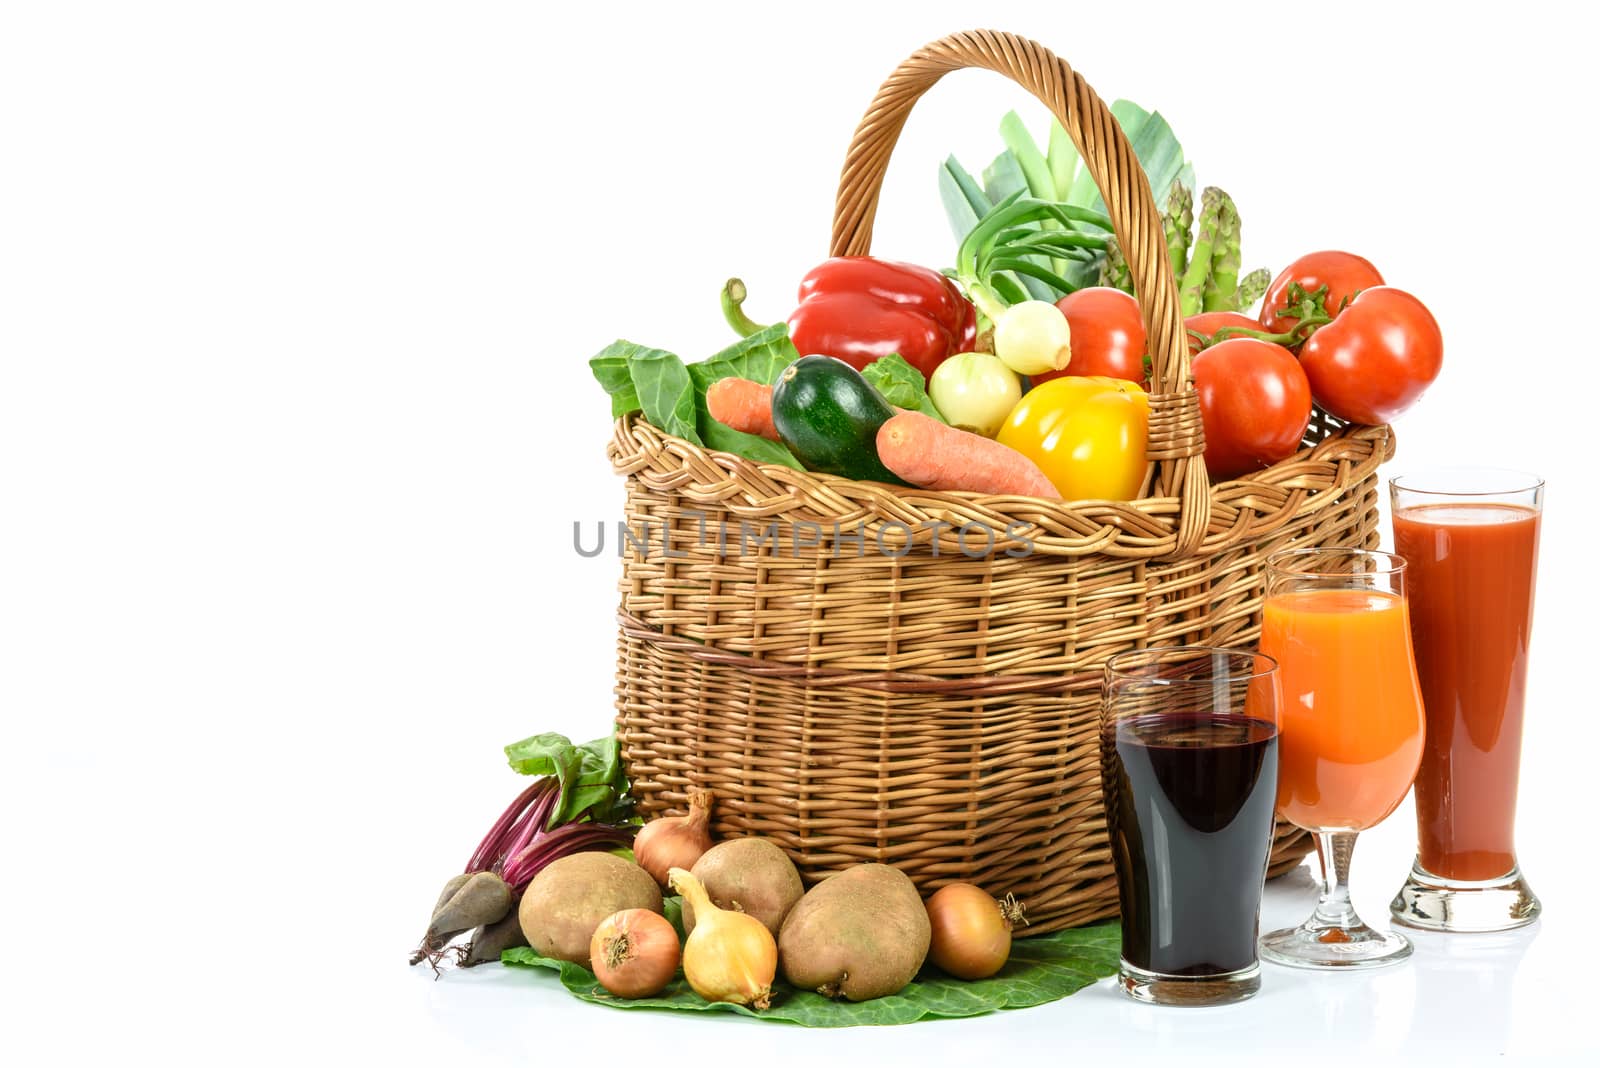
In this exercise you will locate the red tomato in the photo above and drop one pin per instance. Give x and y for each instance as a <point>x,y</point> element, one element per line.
<point>1344,273</point>
<point>1373,361</point>
<point>1255,403</point>
<point>1206,324</point>
<point>1107,336</point>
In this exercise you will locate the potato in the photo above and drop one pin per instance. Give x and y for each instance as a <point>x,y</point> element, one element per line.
<point>749,874</point>
<point>862,934</point>
<point>567,900</point>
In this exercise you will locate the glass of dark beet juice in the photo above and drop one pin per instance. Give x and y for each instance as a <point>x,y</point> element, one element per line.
<point>1189,768</point>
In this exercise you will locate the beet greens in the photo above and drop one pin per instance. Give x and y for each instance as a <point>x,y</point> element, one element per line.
<point>581,803</point>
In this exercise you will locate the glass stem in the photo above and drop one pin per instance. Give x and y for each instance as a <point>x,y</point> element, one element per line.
<point>1334,849</point>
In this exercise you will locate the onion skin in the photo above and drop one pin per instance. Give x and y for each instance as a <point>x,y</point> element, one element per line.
<point>971,931</point>
<point>634,953</point>
<point>975,391</point>
<point>669,842</point>
<point>730,956</point>
<point>1032,338</point>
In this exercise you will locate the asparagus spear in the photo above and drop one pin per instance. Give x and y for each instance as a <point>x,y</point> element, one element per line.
<point>1192,288</point>
<point>1253,286</point>
<point>1177,222</point>
<point>1114,269</point>
<point>1222,286</point>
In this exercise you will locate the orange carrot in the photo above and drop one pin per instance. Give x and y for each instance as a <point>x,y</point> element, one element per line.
<point>927,453</point>
<point>744,405</point>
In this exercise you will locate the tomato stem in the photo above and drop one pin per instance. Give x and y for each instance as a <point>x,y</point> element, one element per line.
<point>1288,339</point>
<point>1309,308</point>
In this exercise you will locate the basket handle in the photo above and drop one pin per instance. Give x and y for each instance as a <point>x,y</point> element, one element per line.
<point>1176,435</point>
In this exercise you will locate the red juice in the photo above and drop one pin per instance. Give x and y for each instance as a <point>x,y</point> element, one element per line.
<point>1471,571</point>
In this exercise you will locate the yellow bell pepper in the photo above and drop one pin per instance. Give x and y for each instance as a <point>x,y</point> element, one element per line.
<point>1088,435</point>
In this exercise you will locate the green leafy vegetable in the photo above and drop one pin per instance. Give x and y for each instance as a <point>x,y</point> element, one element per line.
<point>757,449</point>
<point>1004,178</point>
<point>666,393</point>
<point>611,369</point>
<point>1042,969</point>
<point>901,384</point>
<point>1023,170</point>
<point>590,775</point>
<point>1005,238</point>
<point>1058,177</point>
<point>964,202</point>
<point>672,396</point>
<point>1041,183</point>
<point>1036,228</point>
<point>1062,157</point>
<point>659,383</point>
<point>1153,142</point>
<point>761,357</point>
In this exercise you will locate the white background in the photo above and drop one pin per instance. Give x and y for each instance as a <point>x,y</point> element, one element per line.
<point>295,303</point>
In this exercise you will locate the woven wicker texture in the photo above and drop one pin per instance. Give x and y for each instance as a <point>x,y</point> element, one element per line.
<point>873,674</point>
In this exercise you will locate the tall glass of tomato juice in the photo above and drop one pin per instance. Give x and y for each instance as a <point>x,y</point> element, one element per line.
<point>1471,539</point>
<point>1337,622</point>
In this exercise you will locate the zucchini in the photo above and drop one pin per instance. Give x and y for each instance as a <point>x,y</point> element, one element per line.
<point>828,416</point>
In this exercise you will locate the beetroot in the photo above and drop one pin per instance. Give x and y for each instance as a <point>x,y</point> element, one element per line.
<point>517,847</point>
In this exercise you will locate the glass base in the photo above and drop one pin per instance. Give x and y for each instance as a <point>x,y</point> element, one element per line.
<point>1434,903</point>
<point>1320,945</point>
<point>1154,988</point>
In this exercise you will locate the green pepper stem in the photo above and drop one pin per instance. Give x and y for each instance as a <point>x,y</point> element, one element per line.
<point>733,294</point>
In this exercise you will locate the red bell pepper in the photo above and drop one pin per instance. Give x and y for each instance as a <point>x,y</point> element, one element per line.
<point>858,309</point>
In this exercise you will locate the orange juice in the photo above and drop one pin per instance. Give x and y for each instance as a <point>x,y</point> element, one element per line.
<point>1352,730</point>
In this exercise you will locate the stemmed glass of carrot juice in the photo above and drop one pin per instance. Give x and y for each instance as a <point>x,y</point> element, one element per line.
<point>1471,538</point>
<point>1337,622</point>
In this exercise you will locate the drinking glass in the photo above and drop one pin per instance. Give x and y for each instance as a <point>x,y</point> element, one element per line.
<point>1336,621</point>
<point>1471,538</point>
<point>1189,768</point>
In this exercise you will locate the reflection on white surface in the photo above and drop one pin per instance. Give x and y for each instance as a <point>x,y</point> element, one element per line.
<point>1460,974</point>
<point>1376,1004</point>
<point>1331,1008</point>
<point>1460,1000</point>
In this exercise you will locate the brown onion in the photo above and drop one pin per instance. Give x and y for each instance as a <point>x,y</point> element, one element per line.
<point>675,841</point>
<point>730,956</point>
<point>634,953</point>
<point>971,930</point>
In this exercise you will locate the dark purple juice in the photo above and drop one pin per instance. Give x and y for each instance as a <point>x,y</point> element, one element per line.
<point>1189,804</point>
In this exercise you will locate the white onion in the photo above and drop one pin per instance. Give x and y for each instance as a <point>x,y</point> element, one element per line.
<point>975,391</point>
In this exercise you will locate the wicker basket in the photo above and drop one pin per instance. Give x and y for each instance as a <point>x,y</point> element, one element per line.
<point>884,696</point>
